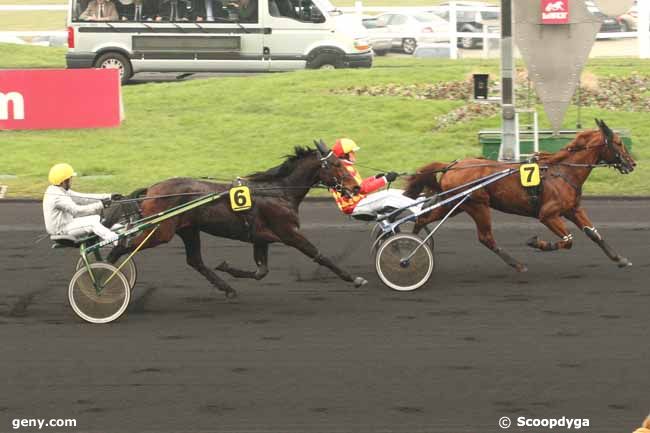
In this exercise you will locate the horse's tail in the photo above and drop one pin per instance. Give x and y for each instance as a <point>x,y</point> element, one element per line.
<point>425,179</point>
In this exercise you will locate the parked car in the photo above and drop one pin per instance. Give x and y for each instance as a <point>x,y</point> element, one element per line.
<point>609,24</point>
<point>473,22</point>
<point>629,20</point>
<point>407,30</point>
<point>380,42</point>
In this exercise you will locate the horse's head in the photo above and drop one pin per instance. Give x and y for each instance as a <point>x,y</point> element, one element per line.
<point>614,151</point>
<point>333,173</point>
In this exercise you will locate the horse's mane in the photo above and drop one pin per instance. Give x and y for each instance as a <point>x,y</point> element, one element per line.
<point>284,169</point>
<point>581,141</point>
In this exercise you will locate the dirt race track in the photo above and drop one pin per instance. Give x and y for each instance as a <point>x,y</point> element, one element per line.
<point>303,352</point>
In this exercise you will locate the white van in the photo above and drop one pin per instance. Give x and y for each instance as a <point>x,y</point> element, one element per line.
<point>213,36</point>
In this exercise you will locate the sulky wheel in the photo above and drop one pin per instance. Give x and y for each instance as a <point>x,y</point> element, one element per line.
<point>376,238</point>
<point>397,272</point>
<point>101,305</point>
<point>129,269</point>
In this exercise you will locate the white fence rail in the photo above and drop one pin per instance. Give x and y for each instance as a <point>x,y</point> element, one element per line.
<point>643,34</point>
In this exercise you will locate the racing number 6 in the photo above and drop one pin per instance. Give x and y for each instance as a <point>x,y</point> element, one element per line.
<point>240,198</point>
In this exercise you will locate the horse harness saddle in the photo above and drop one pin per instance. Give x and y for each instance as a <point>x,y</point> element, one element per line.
<point>248,216</point>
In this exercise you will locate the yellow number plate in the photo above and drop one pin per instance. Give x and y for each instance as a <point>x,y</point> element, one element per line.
<point>240,198</point>
<point>529,174</point>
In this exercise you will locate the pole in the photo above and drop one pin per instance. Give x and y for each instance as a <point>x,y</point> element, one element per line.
<point>453,29</point>
<point>643,28</point>
<point>358,9</point>
<point>508,150</point>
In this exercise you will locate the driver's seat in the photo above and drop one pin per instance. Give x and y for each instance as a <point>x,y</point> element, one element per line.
<point>67,241</point>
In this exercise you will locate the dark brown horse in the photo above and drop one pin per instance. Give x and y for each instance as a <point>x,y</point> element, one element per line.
<point>563,174</point>
<point>276,193</point>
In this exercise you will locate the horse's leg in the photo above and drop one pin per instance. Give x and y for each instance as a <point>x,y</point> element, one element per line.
<point>579,218</point>
<point>192,240</point>
<point>297,240</point>
<point>557,226</point>
<point>261,256</point>
<point>480,213</point>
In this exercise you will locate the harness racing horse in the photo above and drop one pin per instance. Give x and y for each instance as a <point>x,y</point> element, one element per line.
<point>276,193</point>
<point>564,172</point>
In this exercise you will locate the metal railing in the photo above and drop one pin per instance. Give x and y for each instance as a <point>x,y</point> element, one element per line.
<point>642,34</point>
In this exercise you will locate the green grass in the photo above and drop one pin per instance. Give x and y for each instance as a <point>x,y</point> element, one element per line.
<point>20,56</point>
<point>227,127</point>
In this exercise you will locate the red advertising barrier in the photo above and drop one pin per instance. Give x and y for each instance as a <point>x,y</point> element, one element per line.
<point>555,11</point>
<point>60,99</point>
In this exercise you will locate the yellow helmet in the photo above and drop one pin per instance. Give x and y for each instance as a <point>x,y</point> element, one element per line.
<point>344,146</point>
<point>59,173</point>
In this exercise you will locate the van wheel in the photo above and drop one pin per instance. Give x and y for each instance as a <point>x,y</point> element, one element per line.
<point>116,61</point>
<point>409,45</point>
<point>325,61</point>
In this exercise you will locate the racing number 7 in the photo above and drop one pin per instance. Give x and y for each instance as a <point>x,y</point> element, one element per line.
<point>529,174</point>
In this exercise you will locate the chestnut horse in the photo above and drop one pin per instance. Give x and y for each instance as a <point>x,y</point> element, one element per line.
<point>563,174</point>
<point>276,193</point>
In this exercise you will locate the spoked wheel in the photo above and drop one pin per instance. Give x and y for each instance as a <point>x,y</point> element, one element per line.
<point>399,272</point>
<point>129,269</point>
<point>102,302</point>
<point>376,238</point>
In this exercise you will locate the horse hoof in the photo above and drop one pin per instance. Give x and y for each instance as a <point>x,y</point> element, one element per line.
<point>533,242</point>
<point>358,282</point>
<point>231,295</point>
<point>624,263</point>
<point>521,268</point>
<point>223,267</point>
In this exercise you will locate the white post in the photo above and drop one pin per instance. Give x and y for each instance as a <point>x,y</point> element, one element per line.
<point>643,28</point>
<point>486,43</point>
<point>358,9</point>
<point>453,37</point>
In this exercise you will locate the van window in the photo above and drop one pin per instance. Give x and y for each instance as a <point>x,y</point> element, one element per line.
<point>300,10</point>
<point>158,10</point>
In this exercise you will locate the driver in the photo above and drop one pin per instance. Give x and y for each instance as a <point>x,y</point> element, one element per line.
<point>345,149</point>
<point>70,213</point>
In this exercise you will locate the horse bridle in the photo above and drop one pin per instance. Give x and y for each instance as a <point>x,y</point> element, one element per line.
<point>608,142</point>
<point>338,185</point>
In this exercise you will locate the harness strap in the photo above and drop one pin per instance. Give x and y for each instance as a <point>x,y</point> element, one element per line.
<point>562,176</point>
